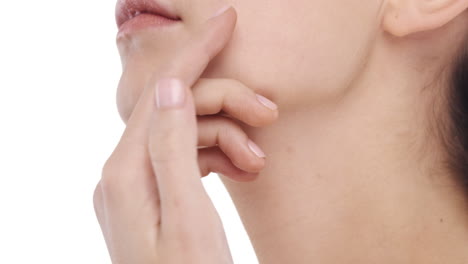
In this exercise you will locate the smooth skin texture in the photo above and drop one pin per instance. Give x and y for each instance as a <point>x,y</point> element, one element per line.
<point>150,202</point>
<point>352,171</point>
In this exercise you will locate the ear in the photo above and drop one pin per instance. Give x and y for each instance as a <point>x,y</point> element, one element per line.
<point>404,17</point>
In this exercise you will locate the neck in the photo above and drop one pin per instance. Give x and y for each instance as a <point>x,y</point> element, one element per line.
<point>355,180</point>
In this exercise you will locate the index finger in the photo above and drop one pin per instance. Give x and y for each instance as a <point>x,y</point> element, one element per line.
<point>204,45</point>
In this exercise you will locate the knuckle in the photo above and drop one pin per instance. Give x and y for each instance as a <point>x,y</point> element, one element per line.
<point>229,136</point>
<point>97,198</point>
<point>113,179</point>
<point>239,92</point>
<point>213,129</point>
<point>123,172</point>
<point>227,125</point>
<point>108,185</point>
<point>235,85</point>
<point>228,130</point>
<point>227,94</point>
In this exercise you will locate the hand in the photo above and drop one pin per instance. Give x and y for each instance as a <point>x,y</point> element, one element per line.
<point>220,104</point>
<point>150,201</point>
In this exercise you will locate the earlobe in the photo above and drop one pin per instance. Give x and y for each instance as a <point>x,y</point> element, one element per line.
<point>399,17</point>
<point>404,17</point>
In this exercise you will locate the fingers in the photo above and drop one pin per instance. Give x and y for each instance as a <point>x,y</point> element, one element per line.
<point>160,139</point>
<point>173,142</point>
<point>232,140</point>
<point>212,159</point>
<point>173,152</point>
<point>213,95</point>
<point>128,175</point>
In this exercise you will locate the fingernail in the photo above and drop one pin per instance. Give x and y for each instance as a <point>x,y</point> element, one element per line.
<point>267,102</point>
<point>221,10</point>
<point>170,93</point>
<point>255,149</point>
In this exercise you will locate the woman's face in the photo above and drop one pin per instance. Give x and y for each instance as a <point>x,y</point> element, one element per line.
<point>295,52</point>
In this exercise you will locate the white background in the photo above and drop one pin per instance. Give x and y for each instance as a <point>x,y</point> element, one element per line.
<point>59,70</point>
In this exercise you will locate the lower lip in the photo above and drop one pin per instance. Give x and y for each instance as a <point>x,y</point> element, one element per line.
<point>143,21</point>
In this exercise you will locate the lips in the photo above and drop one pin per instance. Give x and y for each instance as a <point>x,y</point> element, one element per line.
<point>128,9</point>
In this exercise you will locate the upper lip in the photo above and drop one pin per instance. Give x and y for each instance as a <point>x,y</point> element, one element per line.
<point>127,9</point>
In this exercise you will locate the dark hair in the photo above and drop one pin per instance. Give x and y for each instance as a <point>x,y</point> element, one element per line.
<point>457,100</point>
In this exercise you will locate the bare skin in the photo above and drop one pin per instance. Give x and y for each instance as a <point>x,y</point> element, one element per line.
<point>351,173</point>
<point>150,202</point>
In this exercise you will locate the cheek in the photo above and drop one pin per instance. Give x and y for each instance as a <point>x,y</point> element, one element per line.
<point>300,52</point>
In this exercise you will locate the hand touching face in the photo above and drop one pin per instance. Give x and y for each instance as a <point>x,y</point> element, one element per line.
<point>150,202</point>
<point>296,53</point>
